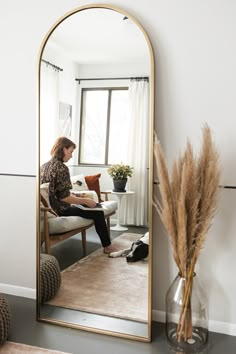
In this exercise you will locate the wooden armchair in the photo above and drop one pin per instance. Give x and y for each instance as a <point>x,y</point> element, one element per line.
<point>55,229</point>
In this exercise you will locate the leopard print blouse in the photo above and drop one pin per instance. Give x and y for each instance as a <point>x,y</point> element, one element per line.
<point>57,174</point>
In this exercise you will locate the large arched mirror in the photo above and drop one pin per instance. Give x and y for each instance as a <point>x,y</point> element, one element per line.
<point>96,87</point>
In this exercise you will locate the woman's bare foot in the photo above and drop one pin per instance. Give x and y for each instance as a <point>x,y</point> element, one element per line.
<point>109,249</point>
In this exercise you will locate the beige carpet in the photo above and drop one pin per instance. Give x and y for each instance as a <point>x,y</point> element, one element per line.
<point>106,286</point>
<point>18,348</point>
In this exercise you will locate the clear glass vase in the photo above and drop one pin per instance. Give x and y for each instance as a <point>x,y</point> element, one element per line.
<point>186,315</point>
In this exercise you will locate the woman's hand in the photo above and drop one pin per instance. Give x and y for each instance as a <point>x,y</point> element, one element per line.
<point>83,195</point>
<point>72,199</point>
<point>80,195</point>
<point>89,202</point>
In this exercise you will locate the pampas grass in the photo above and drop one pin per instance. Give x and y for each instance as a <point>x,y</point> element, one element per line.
<point>188,204</point>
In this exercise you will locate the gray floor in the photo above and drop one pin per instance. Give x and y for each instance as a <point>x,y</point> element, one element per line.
<point>25,329</point>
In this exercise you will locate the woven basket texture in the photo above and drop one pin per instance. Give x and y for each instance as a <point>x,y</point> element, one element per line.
<point>5,319</point>
<point>50,277</point>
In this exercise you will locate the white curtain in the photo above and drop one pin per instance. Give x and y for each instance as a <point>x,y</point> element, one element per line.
<point>134,209</point>
<point>49,110</point>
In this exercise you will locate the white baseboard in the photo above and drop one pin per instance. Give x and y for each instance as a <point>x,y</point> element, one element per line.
<point>214,326</point>
<point>222,327</point>
<point>158,316</point>
<point>18,291</point>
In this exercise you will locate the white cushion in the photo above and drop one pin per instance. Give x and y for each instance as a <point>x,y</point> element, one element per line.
<point>60,224</point>
<point>109,206</point>
<point>78,183</point>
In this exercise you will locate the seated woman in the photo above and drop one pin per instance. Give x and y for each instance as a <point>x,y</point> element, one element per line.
<point>57,174</point>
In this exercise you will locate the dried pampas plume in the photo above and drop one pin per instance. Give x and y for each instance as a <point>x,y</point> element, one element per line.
<point>188,199</point>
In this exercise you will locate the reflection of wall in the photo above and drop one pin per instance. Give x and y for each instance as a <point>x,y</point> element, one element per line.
<point>108,70</point>
<point>67,85</point>
<point>195,52</point>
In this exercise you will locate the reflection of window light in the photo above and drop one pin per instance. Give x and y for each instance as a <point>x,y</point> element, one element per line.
<point>104,121</point>
<point>118,126</point>
<point>178,293</point>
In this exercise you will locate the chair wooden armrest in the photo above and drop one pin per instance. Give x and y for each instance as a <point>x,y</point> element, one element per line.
<point>45,209</point>
<point>106,195</point>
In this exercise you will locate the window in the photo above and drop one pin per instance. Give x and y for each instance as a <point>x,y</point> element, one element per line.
<point>103,128</point>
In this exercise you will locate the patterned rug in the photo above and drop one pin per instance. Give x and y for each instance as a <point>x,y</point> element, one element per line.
<point>18,348</point>
<point>107,286</point>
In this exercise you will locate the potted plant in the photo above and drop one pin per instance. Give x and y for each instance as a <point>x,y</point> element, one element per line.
<point>120,174</point>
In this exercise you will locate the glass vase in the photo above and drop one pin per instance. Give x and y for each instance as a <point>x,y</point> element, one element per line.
<point>186,315</point>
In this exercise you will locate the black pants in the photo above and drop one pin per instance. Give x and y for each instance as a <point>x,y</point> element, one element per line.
<point>99,221</point>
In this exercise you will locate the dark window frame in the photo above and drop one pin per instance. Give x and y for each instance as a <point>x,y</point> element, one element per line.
<point>109,89</point>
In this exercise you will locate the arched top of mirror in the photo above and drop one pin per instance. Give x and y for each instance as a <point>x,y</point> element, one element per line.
<point>102,34</point>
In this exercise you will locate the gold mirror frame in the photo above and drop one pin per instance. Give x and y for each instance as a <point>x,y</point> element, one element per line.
<point>151,131</point>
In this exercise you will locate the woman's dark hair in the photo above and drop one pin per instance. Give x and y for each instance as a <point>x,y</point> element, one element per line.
<point>59,145</point>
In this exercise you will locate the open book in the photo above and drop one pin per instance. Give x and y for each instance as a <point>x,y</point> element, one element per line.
<point>85,207</point>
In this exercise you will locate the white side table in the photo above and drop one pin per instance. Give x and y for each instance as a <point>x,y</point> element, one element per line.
<point>120,195</point>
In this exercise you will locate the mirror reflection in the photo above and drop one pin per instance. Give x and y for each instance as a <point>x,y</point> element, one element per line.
<point>95,174</point>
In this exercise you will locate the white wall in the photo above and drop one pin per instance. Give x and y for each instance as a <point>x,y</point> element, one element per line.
<point>113,70</point>
<point>67,87</point>
<point>195,51</point>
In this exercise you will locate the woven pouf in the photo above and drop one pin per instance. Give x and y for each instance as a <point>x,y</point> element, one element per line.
<point>5,319</point>
<point>50,277</point>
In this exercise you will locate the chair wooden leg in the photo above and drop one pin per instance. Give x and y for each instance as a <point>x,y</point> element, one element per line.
<point>83,233</point>
<point>47,246</point>
<point>46,236</point>
<point>41,239</point>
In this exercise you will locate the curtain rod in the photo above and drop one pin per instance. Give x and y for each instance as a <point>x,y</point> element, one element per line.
<point>54,66</point>
<point>145,78</point>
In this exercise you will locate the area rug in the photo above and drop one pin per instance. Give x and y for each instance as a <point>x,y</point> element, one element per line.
<point>18,348</point>
<point>106,286</point>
